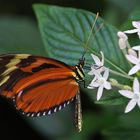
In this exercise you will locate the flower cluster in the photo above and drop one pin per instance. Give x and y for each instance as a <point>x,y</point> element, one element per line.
<point>134,96</point>
<point>133,55</point>
<point>100,73</point>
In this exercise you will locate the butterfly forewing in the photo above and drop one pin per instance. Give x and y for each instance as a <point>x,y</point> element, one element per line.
<point>37,84</point>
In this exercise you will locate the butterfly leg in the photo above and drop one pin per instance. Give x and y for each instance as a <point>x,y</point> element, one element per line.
<point>84,83</point>
<point>78,113</point>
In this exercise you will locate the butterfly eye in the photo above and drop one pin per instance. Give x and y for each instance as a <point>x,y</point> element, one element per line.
<point>82,61</point>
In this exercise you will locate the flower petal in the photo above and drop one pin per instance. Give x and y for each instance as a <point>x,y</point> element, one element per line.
<point>94,83</point>
<point>97,74</point>
<point>96,59</point>
<point>106,74</point>
<point>126,93</point>
<point>136,87</point>
<point>131,31</point>
<point>134,69</point>
<point>132,59</point>
<point>100,92</point>
<point>122,40</point>
<point>91,72</point>
<point>90,87</point>
<point>122,44</point>
<point>136,24</point>
<point>107,85</point>
<point>122,35</point>
<point>137,48</point>
<point>130,106</point>
<point>132,52</point>
<point>139,34</point>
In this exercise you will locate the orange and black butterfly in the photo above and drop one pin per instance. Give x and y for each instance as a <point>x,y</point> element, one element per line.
<point>39,85</point>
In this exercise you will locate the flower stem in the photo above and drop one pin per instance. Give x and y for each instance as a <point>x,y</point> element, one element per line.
<point>115,83</point>
<point>120,74</point>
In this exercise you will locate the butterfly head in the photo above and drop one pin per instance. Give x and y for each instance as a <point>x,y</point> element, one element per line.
<point>81,62</point>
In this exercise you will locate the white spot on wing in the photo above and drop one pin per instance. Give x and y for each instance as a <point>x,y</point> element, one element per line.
<point>68,102</point>
<point>44,113</point>
<point>38,114</point>
<point>28,114</point>
<point>19,94</point>
<point>49,112</point>
<point>14,99</point>
<point>60,107</point>
<point>55,109</point>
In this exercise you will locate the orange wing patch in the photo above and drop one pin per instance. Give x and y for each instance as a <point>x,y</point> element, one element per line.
<point>47,96</point>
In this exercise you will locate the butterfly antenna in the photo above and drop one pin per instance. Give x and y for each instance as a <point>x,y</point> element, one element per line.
<point>100,27</point>
<point>93,25</point>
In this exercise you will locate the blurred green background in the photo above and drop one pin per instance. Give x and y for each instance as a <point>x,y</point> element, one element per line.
<point>19,33</point>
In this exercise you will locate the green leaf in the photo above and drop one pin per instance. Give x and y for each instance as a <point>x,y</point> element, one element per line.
<point>109,97</point>
<point>19,35</point>
<point>135,15</point>
<point>66,30</point>
<point>112,99</point>
<point>127,128</point>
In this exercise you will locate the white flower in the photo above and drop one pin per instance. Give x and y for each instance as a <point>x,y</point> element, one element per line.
<point>122,40</point>
<point>134,96</point>
<point>98,66</point>
<point>100,82</point>
<point>132,52</point>
<point>137,48</point>
<point>134,59</point>
<point>136,24</point>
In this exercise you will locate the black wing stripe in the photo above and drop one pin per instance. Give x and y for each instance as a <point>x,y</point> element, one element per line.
<point>44,66</point>
<point>15,76</point>
<point>26,62</point>
<point>3,62</point>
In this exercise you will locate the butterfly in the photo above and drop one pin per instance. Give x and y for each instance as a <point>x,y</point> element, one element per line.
<point>40,86</point>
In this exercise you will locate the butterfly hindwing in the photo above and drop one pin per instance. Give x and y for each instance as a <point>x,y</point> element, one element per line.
<point>44,98</point>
